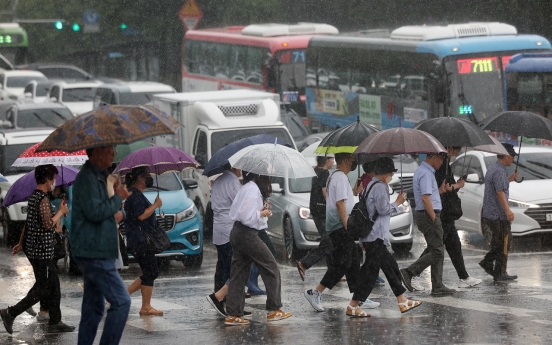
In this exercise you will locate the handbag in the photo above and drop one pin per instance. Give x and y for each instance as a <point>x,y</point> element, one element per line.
<point>59,244</point>
<point>452,207</point>
<point>157,240</point>
<point>359,223</point>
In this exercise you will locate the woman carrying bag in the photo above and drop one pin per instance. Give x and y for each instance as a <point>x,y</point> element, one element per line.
<point>140,215</point>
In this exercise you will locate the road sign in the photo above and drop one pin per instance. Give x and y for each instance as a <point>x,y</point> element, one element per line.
<point>190,14</point>
<point>91,21</point>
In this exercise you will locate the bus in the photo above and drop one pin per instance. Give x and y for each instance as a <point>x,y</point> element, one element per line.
<point>418,72</point>
<point>14,43</point>
<point>268,57</point>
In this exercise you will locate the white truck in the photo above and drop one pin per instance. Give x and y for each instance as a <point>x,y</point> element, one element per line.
<point>212,120</point>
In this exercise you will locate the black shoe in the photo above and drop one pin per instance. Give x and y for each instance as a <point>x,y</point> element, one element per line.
<point>505,277</point>
<point>7,319</point>
<point>406,278</point>
<point>487,266</point>
<point>59,327</point>
<point>31,311</point>
<point>442,291</point>
<point>218,306</point>
<point>246,315</point>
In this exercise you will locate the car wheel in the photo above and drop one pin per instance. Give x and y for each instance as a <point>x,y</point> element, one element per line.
<point>486,231</point>
<point>193,260</point>
<point>401,248</point>
<point>289,241</point>
<point>69,264</point>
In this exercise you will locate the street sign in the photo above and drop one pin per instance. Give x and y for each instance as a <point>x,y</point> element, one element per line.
<point>190,14</point>
<point>91,21</point>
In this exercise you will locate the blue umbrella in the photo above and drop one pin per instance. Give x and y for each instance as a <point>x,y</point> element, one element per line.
<point>3,179</point>
<point>220,158</point>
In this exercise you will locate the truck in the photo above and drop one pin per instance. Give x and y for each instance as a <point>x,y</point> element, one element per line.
<point>212,120</point>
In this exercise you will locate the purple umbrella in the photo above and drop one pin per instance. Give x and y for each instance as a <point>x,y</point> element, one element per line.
<point>158,159</point>
<point>22,189</point>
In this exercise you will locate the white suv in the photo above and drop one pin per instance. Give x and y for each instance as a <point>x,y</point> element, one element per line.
<point>78,97</point>
<point>12,83</point>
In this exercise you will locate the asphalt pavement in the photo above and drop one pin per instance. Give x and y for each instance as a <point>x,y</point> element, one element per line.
<point>492,313</point>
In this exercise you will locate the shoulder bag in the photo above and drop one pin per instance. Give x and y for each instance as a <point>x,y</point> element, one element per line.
<point>359,223</point>
<point>157,240</point>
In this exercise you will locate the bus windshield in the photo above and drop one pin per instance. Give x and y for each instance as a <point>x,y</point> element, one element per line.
<point>475,86</point>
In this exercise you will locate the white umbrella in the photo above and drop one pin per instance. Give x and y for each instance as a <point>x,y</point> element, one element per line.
<point>272,160</point>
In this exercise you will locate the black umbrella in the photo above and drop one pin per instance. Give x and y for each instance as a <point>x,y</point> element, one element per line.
<point>520,123</point>
<point>452,131</point>
<point>345,139</point>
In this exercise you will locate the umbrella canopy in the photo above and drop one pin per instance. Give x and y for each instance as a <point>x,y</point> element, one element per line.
<point>124,150</point>
<point>520,123</point>
<point>495,148</point>
<point>220,158</point>
<point>272,160</point>
<point>31,158</point>
<point>309,151</point>
<point>398,141</point>
<point>109,125</point>
<point>452,131</point>
<point>345,139</point>
<point>158,159</point>
<point>3,179</point>
<point>22,189</point>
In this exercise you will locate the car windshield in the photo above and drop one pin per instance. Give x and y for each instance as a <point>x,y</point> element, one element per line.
<point>136,98</point>
<point>22,81</point>
<point>532,166</point>
<point>223,138</point>
<point>8,155</point>
<point>42,90</point>
<point>164,182</point>
<point>300,185</point>
<point>82,94</point>
<point>43,117</point>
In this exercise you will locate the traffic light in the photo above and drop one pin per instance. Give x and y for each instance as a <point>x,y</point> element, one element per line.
<point>76,27</point>
<point>123,26</point>
<point>59,25</point>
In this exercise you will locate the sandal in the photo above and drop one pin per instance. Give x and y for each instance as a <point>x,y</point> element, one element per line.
<point>356,312</point>
<point>408,305</point>
<point>151,312</point>
<point>301,270</point>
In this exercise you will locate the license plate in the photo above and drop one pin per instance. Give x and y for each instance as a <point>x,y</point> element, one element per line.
<point>549,217</point>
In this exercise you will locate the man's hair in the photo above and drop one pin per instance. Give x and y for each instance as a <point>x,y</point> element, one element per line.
<point>500,156</point>
<point>339,157</point>
<point>369,167</point>
<point>44,173</point>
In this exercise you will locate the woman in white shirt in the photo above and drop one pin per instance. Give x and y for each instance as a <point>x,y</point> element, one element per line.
<point>250,216</point>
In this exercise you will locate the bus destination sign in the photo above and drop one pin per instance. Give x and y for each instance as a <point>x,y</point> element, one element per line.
<point>9,39</point>
<point>477,65</point>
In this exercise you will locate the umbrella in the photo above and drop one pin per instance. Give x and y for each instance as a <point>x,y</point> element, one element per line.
<point>3,179</point>
<point>452,131</point>
<point>495,148</point>
<point>345,139</point>
<point>31,158</point>
<point>272,160</point>
<point>309,151</point>
<point>124,150</point>
<point>220,158</point>
<point>158,159</point>
<point>110,125</point>
<point>22,189</point>
<point>520,123</point>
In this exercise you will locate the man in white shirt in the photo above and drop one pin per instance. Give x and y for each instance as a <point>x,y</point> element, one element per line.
<point>344,258</point>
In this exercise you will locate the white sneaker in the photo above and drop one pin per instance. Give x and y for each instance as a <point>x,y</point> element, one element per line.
<point>369,304</point>
<point>416,283</point>
<point>315,299</point>
<point>469,282</point>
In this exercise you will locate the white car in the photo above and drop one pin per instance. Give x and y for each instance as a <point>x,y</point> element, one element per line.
<point>530,201</point>
<point>78,97</point>
<point>12,83</point>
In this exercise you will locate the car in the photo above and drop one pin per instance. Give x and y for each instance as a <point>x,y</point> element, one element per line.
<point>298,130</point>
<point>12,83</point>
<point>33,115</point>
<point>58,71</point>
<point>4,106</point>
<point>530,201</point>
<point>129,93</point>
<point>292,227</point>
<point>36,91</point>
<point>78,97</point>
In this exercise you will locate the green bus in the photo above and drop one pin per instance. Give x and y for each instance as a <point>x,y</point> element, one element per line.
<point>14,43</point>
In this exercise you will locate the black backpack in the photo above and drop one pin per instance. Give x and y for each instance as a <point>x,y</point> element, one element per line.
<point>360,224</point>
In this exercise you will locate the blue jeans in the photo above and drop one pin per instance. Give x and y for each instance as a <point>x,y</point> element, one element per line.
<point>102,281</point>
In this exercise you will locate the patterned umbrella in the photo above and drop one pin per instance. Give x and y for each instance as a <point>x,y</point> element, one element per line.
<point>31,158</point>
<point>110,125</point>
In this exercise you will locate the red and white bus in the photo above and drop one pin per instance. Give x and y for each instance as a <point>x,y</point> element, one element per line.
<point>267,57</point>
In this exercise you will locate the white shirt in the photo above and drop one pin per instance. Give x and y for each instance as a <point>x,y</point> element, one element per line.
<point>247,207</point>
<point>338,189</point>
<point>223,192</point>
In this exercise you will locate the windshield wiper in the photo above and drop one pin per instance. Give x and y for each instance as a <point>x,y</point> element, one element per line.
<point>47,123</point>
<point>60,115</point>
<point>158,188</point>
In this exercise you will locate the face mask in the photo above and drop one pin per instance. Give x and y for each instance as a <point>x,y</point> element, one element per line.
<point>388,179</point>
<point>149,182</point>
<point>354,165</point>
<point>53,186</point>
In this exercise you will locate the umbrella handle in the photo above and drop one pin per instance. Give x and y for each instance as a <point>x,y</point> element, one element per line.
<point>517,162</point>
<point>520,181</point>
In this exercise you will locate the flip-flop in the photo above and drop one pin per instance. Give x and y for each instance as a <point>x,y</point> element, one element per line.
<point>301,270</point>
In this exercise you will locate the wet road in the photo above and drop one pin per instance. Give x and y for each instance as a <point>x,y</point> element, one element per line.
<point>493,313</point>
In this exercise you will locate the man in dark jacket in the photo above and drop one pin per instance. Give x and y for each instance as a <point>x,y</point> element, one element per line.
<point>94,244</point>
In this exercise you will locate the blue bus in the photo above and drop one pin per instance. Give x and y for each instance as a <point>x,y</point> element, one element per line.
<point>417,72</point>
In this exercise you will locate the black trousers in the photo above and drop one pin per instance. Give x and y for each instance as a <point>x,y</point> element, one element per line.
<point>377,257</point>
<point>148,265</point>
<point>46,288</point>
<point>500,244</point>
<point>344,261</point>
<point>453,248</point>
<point>222,270</point>
<point>324,249</point>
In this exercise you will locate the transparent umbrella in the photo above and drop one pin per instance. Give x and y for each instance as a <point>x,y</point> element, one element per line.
<point>272,160</point>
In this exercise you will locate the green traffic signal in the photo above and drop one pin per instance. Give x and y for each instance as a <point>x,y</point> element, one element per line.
<point>123,26</point>
<point>76,27</point>
<point>59,25</point>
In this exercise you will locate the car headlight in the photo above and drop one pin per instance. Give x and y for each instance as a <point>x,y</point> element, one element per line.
<point>14,97</point>
<point>403,208</point>
<point>188,213</point>
<point>521,204</point>
<point>304,213</point>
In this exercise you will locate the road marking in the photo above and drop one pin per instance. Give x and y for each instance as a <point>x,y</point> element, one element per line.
<point>480,306</point>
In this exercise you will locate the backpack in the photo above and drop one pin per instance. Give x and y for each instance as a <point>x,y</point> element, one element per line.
<point>360,224</point>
